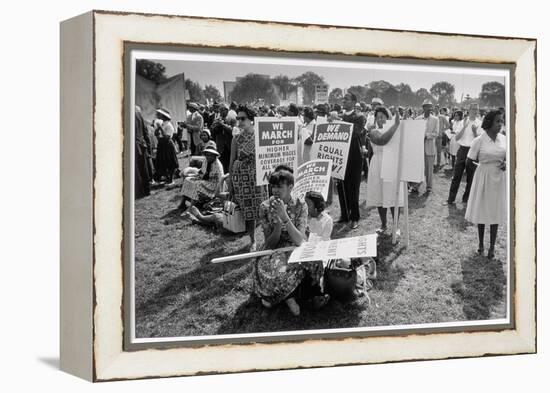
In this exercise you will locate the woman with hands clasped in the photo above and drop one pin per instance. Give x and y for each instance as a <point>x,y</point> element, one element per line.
<point>284,221</point>
<point>380,192</point>
<point>487,203</point>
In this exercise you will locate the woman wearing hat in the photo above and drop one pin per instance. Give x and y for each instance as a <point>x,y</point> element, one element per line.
<point>242,168</point>
<point>202,188</point>
<point>381,193</point>
<point>167,159</point>
<point>206,141</point>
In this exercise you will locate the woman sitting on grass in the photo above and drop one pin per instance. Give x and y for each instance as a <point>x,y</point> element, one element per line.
<point>206,141</point>
<point>284,222</point>
<point>202,188</point>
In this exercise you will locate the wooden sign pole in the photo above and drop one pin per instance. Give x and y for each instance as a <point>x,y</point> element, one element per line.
<point>398,185</point>
<point>247,255</point>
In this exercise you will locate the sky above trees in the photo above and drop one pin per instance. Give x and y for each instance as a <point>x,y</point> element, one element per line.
<point>214,73</point>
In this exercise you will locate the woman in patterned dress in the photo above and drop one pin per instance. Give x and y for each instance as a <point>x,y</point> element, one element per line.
<point>284,222</point>
<point>242,169</point>
<point>487,204</point>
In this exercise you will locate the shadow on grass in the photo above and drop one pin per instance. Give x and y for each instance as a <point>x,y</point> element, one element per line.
<point>456,218</point>
<point>482,286</point>
<point>251,317</point>
<point>198,280</point>
<point>389,275</point>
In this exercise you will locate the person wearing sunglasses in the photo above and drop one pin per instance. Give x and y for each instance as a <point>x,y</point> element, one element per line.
<point>241,183</point>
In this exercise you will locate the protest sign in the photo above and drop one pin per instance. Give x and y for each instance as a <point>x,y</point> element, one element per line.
<point>312,176</point>
<point>275,145</point>
<point>347,247</point>
<point>412,159</point>
<point>321,94</point>
<point>331,142</point>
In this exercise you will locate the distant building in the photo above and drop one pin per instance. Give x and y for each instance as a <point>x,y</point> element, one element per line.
<point>228,87</point>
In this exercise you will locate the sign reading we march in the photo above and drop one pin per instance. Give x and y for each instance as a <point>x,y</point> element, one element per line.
<point>331,142</point>
<point>275,145</point>
<point>312,176</point>
<point>347,247</point>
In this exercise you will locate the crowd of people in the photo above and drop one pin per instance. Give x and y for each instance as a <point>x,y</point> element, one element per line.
<point>467,139</point>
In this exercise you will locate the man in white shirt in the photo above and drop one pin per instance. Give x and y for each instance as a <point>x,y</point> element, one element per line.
<point>432,130</point>
<point>470,130</point>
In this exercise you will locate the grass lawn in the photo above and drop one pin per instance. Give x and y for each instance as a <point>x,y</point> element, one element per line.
<point>438,278</point>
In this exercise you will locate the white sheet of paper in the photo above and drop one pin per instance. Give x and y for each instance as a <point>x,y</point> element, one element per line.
<point>413,152</point>
<point>347,247</point>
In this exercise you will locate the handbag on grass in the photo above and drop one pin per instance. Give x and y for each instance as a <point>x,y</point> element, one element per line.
<point>348,279</point>
<point>233,217</point>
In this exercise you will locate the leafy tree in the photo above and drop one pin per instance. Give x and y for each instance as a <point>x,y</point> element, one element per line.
<point>492,94</point>
<point>196,94</point>
<point>444,93</point>
<point>359,91</point>
<point>422,94</point>
<point>335,96</point>
<point>252,87</point>
<point>390,96</point>
<point>211,92</point>
<point>285,85</point>
<point>380,86</point>
<point>308,80</point>
<point>406,96</point>
<point>150,70</point>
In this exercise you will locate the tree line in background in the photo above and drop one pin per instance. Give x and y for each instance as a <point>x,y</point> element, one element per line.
<point>253,87</point>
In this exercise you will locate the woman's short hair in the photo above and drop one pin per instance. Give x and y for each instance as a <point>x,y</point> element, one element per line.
<point>317,199</point>
<point>248,111</point>
<point>459,113</point>
<point>280,177</point>
<point>382,109</point>
<point>283,167</point>
<point>489,119</point>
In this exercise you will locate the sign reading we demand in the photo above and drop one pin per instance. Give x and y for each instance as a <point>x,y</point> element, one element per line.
<point>331,142</point>
<point>275,145</point>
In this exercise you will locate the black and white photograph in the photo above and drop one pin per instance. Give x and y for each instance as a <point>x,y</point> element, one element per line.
<point>276,196</point>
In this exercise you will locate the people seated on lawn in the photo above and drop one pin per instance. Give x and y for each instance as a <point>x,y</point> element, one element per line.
<point>202,188</point>
<point>284,222</point>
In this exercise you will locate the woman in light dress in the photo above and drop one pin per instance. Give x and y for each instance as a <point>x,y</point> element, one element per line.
<point>487,203</point>
<point>380,192</point>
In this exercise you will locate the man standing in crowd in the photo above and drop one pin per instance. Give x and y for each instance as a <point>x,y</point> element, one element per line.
<point>222,134</point>
<point>305,136</point>
<point>432,130</point>
<point>142,150</point>
<point>348,189</point>
<point>443,125</point>
<point>194,126</point>
<point>470,130</point>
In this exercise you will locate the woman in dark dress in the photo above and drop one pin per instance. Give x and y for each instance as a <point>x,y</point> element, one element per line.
<point>167,159</point>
